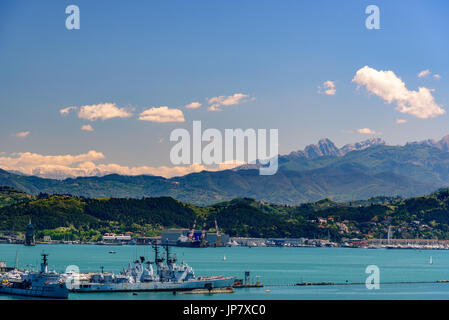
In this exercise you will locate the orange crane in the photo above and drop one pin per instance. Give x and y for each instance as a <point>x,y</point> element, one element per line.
<point>192,231</point>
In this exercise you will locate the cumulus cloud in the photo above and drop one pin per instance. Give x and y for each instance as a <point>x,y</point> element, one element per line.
<point>103,111</point>
<point>162,114</point>
<point>328,88</point>
<point>66,111</point>
<point>389,87</point>
<point>401,121</point>
<point>84,165</point>
<point>424,73</point>
<point>193,105</point>
<point>27,159</point>
<point>366,131</point>
<point>22,134</point>
<point>220,101</point>
<point>87,127</point>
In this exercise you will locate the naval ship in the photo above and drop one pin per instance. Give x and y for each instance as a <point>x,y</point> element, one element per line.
<point>141,276</point>
<point>45,284</point>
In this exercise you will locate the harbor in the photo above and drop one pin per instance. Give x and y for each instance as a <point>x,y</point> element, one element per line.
<point>290,273</point>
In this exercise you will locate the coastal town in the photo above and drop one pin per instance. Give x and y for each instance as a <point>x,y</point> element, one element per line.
<point>197,238</point>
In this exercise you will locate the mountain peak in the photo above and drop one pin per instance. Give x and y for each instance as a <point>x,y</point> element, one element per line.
<point>326,148</point>
<point>362,145</point>
<point>443,144</point>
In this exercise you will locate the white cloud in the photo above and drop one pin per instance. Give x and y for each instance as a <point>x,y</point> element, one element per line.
<point>66,111</point>
<point>427,72</point>
<point>193,105</point>
<point>87,127</point>
<point>162,114</point>
<point>83,165</point>
<point>103,111</point>
<point>22,134</point>
<point>220,101</point>
<point>389,87</point>
<point>366,131</point>
<point>328,88</point>
<point>401,121</point>
<point>424,73</point>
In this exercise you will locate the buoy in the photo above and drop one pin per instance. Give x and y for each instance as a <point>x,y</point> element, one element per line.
<point>267,291</point>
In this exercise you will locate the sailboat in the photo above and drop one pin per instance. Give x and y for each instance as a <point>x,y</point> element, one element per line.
<point>431,261</point>
<point>224,258</point>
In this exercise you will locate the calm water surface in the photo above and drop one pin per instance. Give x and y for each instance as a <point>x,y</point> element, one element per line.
<point>275,267</point>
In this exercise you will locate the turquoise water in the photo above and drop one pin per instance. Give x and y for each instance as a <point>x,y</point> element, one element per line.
<point>275,267</point>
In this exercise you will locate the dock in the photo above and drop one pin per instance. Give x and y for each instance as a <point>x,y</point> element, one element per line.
<point>246,282</point>
<point>206,291</point>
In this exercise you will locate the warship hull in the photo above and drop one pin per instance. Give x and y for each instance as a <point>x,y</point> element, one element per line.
<point>215,282</point>
<point>53,291</point>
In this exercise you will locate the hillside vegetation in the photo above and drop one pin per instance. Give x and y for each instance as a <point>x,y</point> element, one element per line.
<point>68,217</point>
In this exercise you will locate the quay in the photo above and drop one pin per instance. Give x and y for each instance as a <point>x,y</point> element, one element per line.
<point>206,291</point>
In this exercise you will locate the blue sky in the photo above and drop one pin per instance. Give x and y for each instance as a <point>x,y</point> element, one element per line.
<point>144,54</point>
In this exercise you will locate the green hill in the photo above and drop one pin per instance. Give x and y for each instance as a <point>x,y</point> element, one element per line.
<point>68,217</point>
<point>9,196</point>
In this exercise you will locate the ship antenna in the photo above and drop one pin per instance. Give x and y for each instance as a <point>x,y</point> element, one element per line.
<point>156,253</point>
<point>17,260</point>
<point>167,250</point>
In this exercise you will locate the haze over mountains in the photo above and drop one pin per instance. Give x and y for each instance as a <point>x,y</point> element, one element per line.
<point>355,171</point>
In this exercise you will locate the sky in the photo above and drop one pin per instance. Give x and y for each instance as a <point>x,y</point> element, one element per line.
<point>106,97</point>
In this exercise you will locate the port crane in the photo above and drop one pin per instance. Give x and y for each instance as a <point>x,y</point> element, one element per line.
<point>192,231</point>
<point>203,235</point>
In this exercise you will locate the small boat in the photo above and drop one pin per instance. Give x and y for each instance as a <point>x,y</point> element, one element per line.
<point>224,258</point>
<point>112,252</point>
<point>431,261</point>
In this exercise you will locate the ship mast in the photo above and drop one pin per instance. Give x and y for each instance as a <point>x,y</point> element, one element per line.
<point>44,264</point>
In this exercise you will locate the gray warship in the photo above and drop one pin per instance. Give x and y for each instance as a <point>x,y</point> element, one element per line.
<point>45,284</point>
<point>141,276</point>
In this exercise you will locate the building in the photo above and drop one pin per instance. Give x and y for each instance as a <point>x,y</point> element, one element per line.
<point>30,239</point>
<point>172,236</point>
<point>117,239</point>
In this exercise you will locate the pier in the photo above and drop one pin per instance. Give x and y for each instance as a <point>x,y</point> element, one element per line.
<point>206,291</point>
<point>323,283</point>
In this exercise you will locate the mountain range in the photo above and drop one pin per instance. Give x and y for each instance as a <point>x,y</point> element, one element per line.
<point>355,171</point>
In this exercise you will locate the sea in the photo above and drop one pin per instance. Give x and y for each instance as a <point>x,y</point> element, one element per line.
<point>403,273</point>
